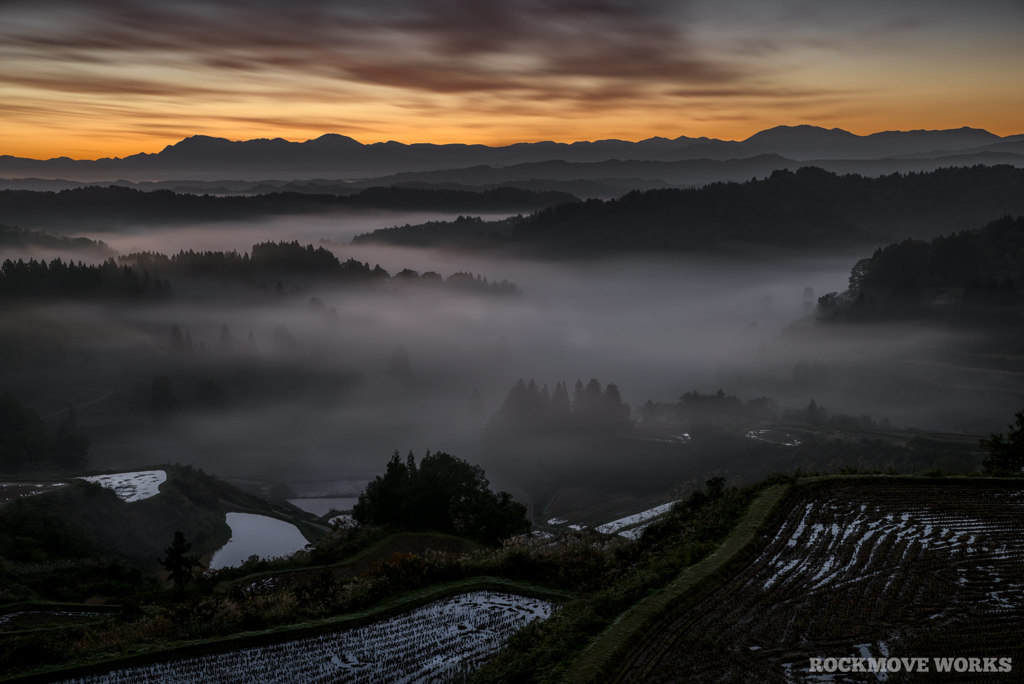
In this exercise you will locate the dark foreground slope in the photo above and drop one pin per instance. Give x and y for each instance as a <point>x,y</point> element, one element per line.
<point>856,568</point>
<point>749,585</point>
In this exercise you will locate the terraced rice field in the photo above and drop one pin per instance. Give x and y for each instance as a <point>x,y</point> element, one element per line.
<point>439,642</point>
<point>133,486</point>
<point>11,491</point>
<point>256,535</point>
<point>632,526</point>
<point>859,568</point>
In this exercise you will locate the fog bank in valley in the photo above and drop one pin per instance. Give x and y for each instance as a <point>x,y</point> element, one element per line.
<point>313,381</point>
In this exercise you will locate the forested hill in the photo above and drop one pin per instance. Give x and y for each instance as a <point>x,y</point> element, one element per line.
<point>808,207</point>
<point>974,277</point>
<point>80,209</point>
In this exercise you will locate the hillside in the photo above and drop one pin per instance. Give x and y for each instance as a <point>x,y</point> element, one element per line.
<point>728,583</point>
<point>806,208</point>
<point>116,207</point>
<point>974,276</point>
<point>856,568</point>
<point>55,545</point>
<point>871,567</point>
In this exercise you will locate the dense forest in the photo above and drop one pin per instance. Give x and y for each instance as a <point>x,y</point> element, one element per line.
<point>808,207</point>
<point>70,281</point>
<point>268,261</point>
<point>111,207</point>
<point>974,277</point>
<point>147,275</point>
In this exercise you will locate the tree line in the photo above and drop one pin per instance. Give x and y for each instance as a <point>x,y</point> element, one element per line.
<point>110,206</point>
<point>268,261</point>
<point>803,208</point>
<point>533,409</point>
<point>975,275</point>
<point>148,275</point>
<point>57,279</point>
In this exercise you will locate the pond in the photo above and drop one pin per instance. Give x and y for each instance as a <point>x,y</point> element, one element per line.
<point>256,534</point>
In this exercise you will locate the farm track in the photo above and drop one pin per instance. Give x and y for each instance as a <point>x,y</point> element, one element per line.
<point>858,568</point>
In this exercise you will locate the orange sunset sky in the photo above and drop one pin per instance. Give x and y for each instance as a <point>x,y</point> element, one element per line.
<point>95,78</point>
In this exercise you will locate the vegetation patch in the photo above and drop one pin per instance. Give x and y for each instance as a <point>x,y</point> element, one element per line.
<point>632,572</point>
<point>102,664</point>
<point>441,640</point>
<point>859,567</point>
<point>635,624</point>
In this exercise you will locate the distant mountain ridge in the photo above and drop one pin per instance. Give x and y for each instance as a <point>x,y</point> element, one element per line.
<point>337,156</point>
<point>806,208</point>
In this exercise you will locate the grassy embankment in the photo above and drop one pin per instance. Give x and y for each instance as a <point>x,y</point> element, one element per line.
<point>629,629</point>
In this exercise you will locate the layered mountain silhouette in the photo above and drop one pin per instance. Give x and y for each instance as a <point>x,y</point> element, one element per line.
<point>613,164</point>
<point>807,208</point>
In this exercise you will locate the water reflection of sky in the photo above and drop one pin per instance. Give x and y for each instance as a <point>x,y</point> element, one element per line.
<point>256,534</point>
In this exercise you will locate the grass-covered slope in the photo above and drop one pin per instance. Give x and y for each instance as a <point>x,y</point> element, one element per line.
<point>81,540</point>
<point>850,567</point>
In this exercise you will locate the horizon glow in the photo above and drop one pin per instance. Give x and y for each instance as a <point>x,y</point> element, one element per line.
<point>112,78</point>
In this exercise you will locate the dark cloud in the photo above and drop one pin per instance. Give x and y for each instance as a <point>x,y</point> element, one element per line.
<point>444,46</point>
<point>758,91</point>
<point>69,83</point>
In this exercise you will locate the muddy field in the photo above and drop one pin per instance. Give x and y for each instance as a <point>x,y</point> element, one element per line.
<point>859,568</point>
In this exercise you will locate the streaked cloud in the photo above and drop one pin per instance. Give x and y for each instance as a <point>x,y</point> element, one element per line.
<point>402,63</point>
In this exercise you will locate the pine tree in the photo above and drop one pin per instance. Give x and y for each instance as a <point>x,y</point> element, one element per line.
<point>177,560</point>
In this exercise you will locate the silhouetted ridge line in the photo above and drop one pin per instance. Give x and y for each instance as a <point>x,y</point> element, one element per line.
<point>343,157</point>
<point>806,208</point>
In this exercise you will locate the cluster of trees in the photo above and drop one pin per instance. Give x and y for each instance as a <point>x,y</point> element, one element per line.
<point>529,409</point>
<point>977,273</point>
<point>28,445</point>
<point>816,414</point>
<point>727,411</point>
<point>38,279</point>
<point>269,261</point>
<point>129,276</point>
<point>806,207</point>
<point>1004,454</point>
<point>442,493</point>
<point>694,408</point>
<point>266,260</point>
<point>462,280</point>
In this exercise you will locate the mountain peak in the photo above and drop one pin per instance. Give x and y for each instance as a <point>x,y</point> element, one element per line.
<point>335,139</point>
<point>801,132</point>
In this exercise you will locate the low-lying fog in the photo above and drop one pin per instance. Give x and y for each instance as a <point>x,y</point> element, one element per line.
<point>338,227</point>
<point>415,368</point>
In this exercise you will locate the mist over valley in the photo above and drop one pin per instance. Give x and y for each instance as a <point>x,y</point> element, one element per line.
<point>420,393</point>
<point>314,368</point>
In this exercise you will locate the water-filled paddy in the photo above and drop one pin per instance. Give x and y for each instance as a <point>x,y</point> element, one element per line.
<point>256,534</point>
